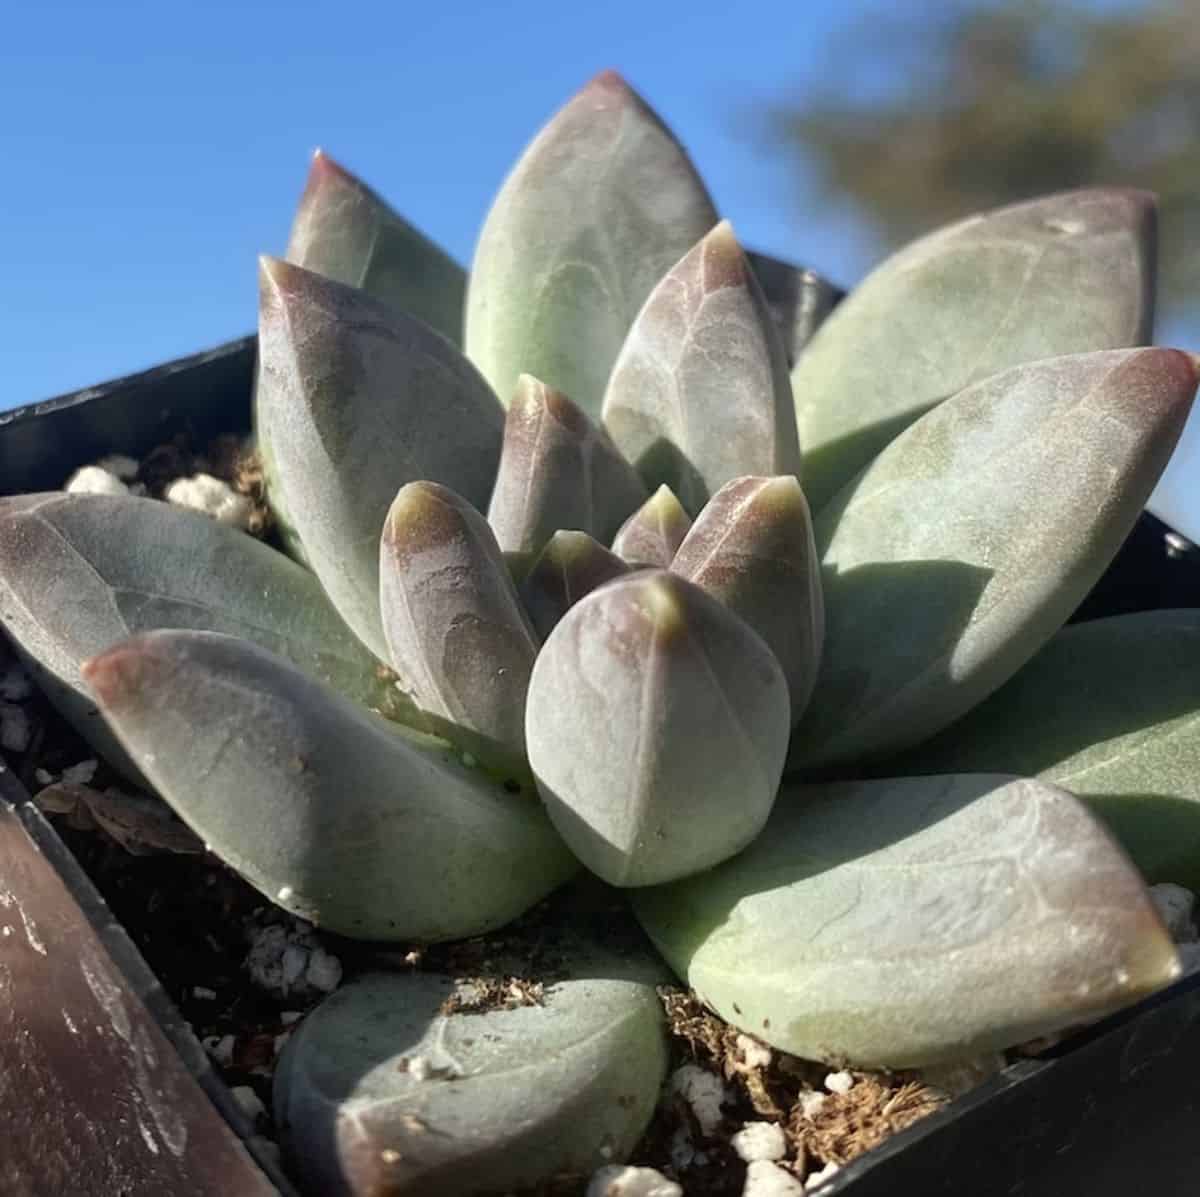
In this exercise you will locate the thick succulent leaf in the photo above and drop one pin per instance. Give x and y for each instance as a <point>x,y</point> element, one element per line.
<point>344,231</point>
<point>355,400</point>
<point>1109,710</point>
<point>456,632</point>
<point>898,923</point>
<point>798,299</point>
<point>653,533</point>
<point>401,1084</point>
<point>78,573</point>
<point>752,549</point>
<point>969,541</point>
<point>557,470</point>
<point>700,392</point>
<point>1068,273</point>
<point>571,566</point>
<point>364,828</point>
<point>601,205</point>
<point>657,725</point>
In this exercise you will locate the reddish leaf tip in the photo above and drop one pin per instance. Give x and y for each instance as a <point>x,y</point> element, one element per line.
<point>424,515</point>
<point>533,396</point>
<point>608,80</point>
<point>724,262</point>
<point>119,673</point>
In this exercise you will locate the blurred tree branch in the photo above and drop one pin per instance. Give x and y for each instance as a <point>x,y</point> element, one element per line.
<point>927,113</point>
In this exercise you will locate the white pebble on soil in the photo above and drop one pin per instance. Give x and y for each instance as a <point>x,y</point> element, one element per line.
<point>839,1082</point>
<point>324,971</point>
<point>287,960</point>
<point>811,1103</point>
<point>760,1141</point>
<point>620,1180</point>
<point>250,1102</point>
<point>765,1179</point>
<point>203,492</point>
<point>819,1178</point>
<point>1178,909</point>
<point>94,480</point>
<point>704,1092</point>
<point>16,729</point>
<point>220,1047</point>
<point>754,1054</point>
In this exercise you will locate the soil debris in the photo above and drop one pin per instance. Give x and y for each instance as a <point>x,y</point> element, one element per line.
<point>477,995</point>
<point>228,458</point>
<point>826,1118</point>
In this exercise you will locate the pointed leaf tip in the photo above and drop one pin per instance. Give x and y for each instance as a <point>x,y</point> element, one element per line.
<point>601,204</point>
<point>892,899</point>
<point>725,262</point>
<point>79,574</point>
<point>1061,274</point>
<point>557,470</point>
<point>324,166</point>
<point>752,548</point>
<point>608,80</point>
<point>335,814</point>
<point>271,273</point>
<point>570,567</point>
<point>354,399</point>
<point>700,393</point>
<point>656,723</point>
<point>1062,455</point>
<point>652,534</point>
<point>118,673</point>
<point>455,629</point>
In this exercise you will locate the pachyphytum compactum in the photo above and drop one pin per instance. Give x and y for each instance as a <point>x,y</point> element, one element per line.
<point>683,571</point>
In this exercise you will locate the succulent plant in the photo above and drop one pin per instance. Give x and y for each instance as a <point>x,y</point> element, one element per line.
<point>571,594</point>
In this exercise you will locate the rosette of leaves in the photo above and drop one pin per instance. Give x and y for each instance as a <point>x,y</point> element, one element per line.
<point>605,538</point>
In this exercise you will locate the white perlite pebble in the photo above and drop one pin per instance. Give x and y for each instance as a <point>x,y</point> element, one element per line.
<point>760,1141</point>
<point>16,729</point>
<point>289,960</point>
<point>811,1103</point>
<point>704,1092</point>
<point>250,1102</point>
<point>220,1047</point>
<point>82,773</point>
<point>203,492</point>
<point>324,971</point>
<point>754,1054</point>
<point>94,480</point>
<point>839,1082</point>
<point>619,1180</point>
<point>819,1178</point>
<point>764,1179</point>
<point>1178,909</point>
<point>123,467</point>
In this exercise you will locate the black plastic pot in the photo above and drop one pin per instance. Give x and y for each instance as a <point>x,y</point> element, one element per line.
<point>128,1103</point>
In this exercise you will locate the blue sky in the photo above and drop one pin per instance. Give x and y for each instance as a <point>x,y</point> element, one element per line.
<point>152,150</point>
